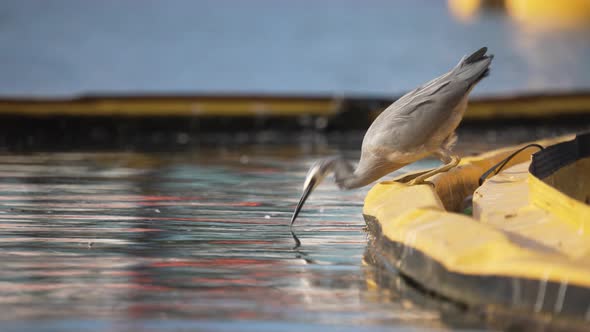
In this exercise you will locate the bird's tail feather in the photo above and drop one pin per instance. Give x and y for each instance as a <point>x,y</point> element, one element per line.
<point>474,67</point>
<point>478,55</point>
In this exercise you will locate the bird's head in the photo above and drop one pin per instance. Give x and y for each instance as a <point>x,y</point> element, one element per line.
<point>316,174</point>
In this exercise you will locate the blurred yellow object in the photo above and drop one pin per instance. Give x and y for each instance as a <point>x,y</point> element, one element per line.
<point>467,10</point>
<point>550,13</point>
<point>203,106</point>
<point>495,107</point>
<point>464,10</point>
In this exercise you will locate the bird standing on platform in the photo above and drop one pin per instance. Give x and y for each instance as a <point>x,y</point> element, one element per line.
<point>419,124</point>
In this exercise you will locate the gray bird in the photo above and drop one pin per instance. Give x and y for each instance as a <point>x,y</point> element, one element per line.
<point>417,125</point>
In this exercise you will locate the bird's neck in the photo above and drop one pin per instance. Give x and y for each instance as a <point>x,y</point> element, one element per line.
<point>345,175</point>
<point>349,178</point>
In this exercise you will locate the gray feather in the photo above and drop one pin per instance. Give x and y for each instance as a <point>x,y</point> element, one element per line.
<point>421,117</point>
<point>476,56</point>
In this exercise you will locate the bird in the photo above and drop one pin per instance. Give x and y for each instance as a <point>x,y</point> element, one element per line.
<point>419,124</point>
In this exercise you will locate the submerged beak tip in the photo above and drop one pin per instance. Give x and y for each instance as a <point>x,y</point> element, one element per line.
<point>296,239</point>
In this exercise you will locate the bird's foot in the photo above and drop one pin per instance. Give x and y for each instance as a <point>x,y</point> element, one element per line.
<point>418,181</point>
<point>405,179</point>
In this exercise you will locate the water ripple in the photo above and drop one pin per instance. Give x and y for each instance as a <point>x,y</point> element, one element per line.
<point>204,237</point>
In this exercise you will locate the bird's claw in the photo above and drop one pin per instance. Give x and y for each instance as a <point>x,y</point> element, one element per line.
<point>419,182</point>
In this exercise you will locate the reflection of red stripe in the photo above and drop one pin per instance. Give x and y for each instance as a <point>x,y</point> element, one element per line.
<point>119,198</point>
<point>228,282</point>
<point>248,204</point>
<point>179,264</point>
<point>186,203</point>
<point>214,262</point>
<point>131,205</point>
<point>244,314</point>
<point>204,219</point>
<point>138,310</point>
<point>240,242</point>
<point>46,287</point>
<point>114,217</point>
<point>137,286</point>
<point>263,171</point>
<point>169,198</point>
<point>140,230</point>
<point>70,216</point>
<point>123,273</point>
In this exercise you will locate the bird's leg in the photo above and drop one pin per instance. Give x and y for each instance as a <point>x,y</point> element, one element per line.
<point>449,159</point>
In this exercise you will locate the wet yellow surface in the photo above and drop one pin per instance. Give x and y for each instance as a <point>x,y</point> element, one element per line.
<point>522,230</point>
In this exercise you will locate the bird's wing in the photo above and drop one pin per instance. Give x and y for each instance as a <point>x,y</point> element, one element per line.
<point>412,119</point>
<point>420,96</point>
<point>426,115</point>
<point>452,85</point>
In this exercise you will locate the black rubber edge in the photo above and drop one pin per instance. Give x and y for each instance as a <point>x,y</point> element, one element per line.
<point>517,295</point>
<point>552,158</point>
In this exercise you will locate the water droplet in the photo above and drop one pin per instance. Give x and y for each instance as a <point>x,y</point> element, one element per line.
<point>182,138</point>
<point>321,123</point>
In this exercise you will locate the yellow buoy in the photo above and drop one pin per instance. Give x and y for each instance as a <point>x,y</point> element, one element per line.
<point>550,14</point>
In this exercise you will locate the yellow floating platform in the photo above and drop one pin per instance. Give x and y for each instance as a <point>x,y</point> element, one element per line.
<point>527,246</point>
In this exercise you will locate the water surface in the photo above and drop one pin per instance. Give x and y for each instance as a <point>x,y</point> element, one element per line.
<point>174,240</point>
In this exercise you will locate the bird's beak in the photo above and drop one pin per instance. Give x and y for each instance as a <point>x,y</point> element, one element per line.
<point>314,177</point>
<point>306,191</point>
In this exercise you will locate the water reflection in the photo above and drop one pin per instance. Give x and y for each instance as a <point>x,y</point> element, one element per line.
<point>194,235</point>
<point>200,236</point>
